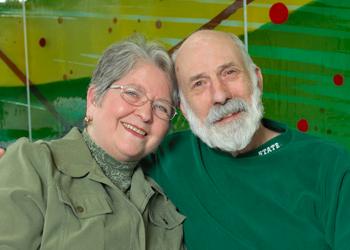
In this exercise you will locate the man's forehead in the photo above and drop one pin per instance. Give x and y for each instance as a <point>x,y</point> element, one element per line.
<point>193,66</point>
<point>218,53</point>
<point>202,72</point>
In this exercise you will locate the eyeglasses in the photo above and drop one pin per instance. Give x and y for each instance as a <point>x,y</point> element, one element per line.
<point>136,96</point>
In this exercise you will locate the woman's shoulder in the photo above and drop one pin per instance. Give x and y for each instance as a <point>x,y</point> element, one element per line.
<point>25,150</point>
<point>39,155</point>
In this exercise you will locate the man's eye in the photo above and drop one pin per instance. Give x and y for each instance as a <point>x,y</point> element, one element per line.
<point>230,72</point>
<point>197,84</point>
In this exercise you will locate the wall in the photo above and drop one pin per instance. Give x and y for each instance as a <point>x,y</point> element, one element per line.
<point>48,50</point>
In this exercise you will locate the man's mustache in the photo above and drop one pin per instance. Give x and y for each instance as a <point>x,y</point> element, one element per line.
<point>219,111</point>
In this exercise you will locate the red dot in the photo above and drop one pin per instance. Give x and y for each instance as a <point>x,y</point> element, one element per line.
<point>338,79</point>
<point>278,13</point>
<point>42,42</point>
<point>303,125</point>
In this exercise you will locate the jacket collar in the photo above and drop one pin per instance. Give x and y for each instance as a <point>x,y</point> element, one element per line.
<point>73,158</point>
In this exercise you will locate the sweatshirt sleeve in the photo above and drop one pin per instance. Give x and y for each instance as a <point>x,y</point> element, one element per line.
<point>337,201</point>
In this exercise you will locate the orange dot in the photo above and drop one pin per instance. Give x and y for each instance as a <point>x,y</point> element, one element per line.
<point>110,30</point>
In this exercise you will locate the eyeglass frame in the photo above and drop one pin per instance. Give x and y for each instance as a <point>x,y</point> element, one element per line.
<point>146,99</point>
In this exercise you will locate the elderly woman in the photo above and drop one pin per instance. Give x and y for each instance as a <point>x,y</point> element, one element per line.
<point>86,190</point>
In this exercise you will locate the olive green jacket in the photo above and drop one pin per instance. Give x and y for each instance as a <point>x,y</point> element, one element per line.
<point>54,196</point>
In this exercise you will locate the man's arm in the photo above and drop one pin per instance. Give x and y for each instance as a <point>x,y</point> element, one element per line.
<point>336,201</point>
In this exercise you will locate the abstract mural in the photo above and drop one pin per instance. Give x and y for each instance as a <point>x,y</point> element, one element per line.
<point>48,50</point>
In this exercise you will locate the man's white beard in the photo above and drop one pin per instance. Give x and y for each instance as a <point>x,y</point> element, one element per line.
<point>235,135</point>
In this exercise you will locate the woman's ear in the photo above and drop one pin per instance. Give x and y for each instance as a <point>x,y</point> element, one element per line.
<point>90,97</point>
<point>90,102</point>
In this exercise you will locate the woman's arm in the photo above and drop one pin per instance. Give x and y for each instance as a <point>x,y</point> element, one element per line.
<point>21,198</point>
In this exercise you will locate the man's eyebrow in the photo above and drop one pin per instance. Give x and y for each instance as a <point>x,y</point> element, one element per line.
<point>225,66</point>
<point>198,76</point>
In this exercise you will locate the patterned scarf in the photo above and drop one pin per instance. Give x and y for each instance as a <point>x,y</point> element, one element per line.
<point>119,173</point>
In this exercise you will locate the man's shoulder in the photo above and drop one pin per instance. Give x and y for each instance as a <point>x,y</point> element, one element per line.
<point>311,144</point>
<point>317,145</point>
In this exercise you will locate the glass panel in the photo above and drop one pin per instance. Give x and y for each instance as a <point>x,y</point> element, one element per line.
<point>13,98</point>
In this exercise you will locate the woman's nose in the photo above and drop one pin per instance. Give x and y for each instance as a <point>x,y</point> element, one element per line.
<point>145,112</point>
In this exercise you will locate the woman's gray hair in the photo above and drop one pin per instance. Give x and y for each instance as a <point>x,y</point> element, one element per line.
<point>120,58</point>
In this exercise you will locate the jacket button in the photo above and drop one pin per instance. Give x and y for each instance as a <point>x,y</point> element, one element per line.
<point>80,209</point>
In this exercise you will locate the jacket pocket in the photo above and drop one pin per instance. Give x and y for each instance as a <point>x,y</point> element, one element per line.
<point>85,205</point>
<point>83,224</point>
<point>165,230</point>
<point>164,214</point>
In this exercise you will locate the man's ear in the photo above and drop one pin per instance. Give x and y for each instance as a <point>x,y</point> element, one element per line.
<point>259,77</point>
<point>183,110</point>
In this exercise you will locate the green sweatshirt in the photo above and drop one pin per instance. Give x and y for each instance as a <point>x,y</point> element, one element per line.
<point>293,192</point>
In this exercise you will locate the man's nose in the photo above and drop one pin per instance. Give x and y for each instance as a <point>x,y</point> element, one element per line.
<point>220,92</point>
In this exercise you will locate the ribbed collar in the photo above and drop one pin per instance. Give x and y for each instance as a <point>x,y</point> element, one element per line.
<point>119,173</point>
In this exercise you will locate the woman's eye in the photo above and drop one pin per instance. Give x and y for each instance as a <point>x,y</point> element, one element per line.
<point>131,93</point>
<point>161,108</point>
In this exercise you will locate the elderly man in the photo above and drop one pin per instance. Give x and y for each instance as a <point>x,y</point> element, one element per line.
<point>245,182</point>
